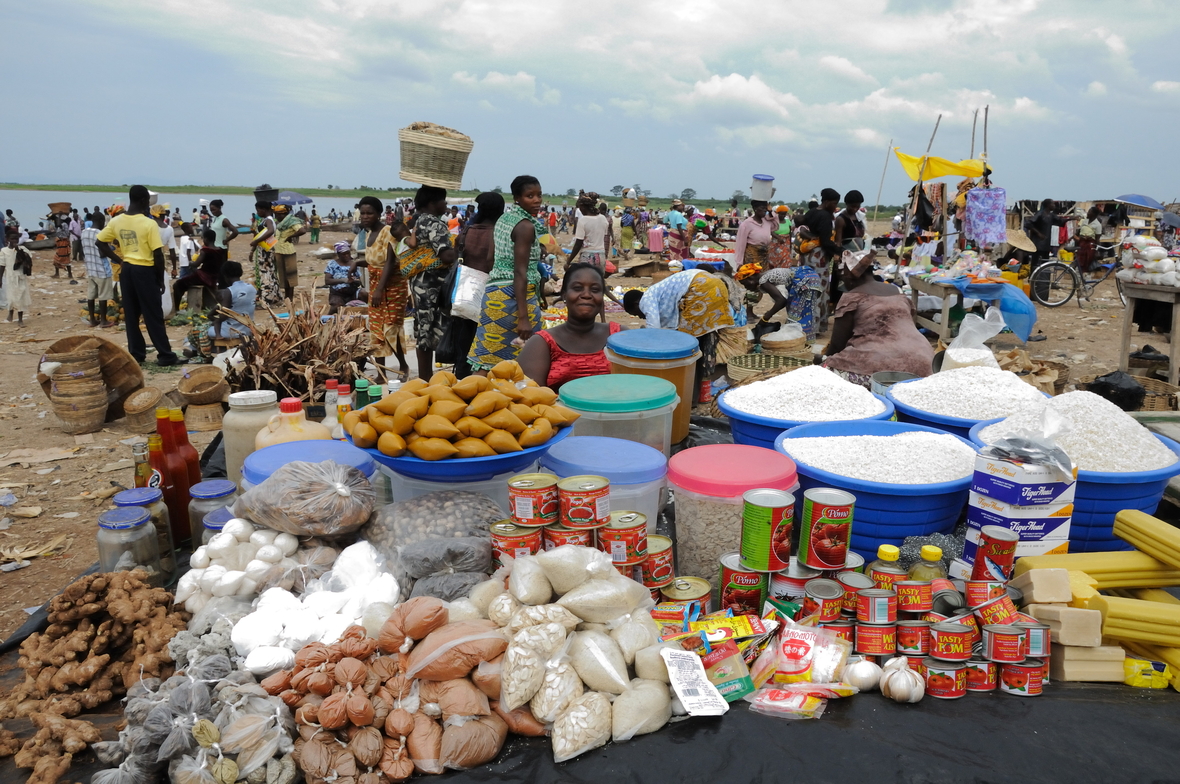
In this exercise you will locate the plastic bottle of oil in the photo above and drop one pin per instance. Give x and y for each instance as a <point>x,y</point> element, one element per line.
<point>930,566</point>
<point>290,424</point>
<point>885,571</point>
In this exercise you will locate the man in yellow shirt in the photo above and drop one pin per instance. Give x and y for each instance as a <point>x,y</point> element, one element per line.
<point>142,275</point>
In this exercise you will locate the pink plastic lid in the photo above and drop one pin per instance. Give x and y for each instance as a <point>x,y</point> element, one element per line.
<point>728,470</point>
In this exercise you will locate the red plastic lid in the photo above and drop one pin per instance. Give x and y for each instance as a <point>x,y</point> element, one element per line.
<point>290,405</point>
<point>728,470</point>
<point>331,383</point>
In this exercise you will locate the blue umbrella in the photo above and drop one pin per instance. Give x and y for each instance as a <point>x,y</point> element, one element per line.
<point>292,197</point>
<point>1135,200</point>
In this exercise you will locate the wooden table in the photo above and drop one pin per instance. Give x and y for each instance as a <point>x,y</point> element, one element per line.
<point>1166,294</point>
<point>920,286</point>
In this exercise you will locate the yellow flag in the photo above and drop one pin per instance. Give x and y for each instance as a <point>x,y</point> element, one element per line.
<point>938,167</point>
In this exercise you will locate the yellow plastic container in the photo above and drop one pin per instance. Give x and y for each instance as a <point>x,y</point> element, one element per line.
<point>290,424</point>
<point>663,353</point>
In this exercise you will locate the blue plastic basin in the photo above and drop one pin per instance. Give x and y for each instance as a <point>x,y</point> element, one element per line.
<point>755,430</point>
<point>948,424</point>
<point>885,513</point>
<point>1100,495</point>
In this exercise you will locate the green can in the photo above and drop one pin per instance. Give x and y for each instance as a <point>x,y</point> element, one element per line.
<point>767,519</point>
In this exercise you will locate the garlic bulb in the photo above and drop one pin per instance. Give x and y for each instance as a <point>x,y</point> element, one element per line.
<point>862,673</point>
<point>901,684</point>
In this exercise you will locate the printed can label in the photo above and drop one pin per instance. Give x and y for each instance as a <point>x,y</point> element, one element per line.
<point>982,675</point>
<point>514,541</point>
<point>687,591</point>
<point>533,499</point>
<point>913,637</point>
<point>998,610</point>
<point>824,598</point>
<point>767,519</point>
<point>945,680</point>
<point>853,583</point>
<point>1036,640</point>
<point>1003,643</point>
<point>874,605</point>
<point>825,528</point>
<point>584,501</point>
<point>876,639</point>
<point>995,553</point>
<point>979,592</point>
<point>914,595</point>
<point>741,590</point>
<point>657,566</point>
<point>950,641</point>
<point>1024,679</point>
<point>843,629</point>
<point>885,579</point>
<point>624,538</point>
<point>557,535</point>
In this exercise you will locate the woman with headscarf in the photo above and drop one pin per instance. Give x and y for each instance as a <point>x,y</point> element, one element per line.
<point>476,249</point>
<point>679,236</point>
<point>262,253</point>
<point>389,290</point>
<point>511,301</point>
<point>343,279</point>
<point>289,227</point>
<point>798,289</point>
<point>627,232</point>
<point>754,236</point>
<point>61,245</point>
<point>693,301</point>
<point>426,267</point>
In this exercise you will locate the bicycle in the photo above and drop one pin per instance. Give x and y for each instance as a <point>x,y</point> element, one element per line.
<point>1054,283</point>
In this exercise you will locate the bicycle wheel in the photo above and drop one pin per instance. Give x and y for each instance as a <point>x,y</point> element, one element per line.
<point>1118,284</point>
<point>1053,284</point>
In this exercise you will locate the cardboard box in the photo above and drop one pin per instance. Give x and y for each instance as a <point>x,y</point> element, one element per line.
<point>1032,523</point>
<point>1019,484</point>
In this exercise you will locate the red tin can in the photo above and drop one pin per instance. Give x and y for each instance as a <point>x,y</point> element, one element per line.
<point>824,598</point>
<point>1024,679</point>
<point>630,571</point>
<point>844,629</point>
<point>876,639</point>
<point>998,610</point>
<point>825,528</point>
<point>945,680</point>
<point>917,664</point>
<point>885,578</point>
<point>913,637</point>
<point>982,675</point>
<point>790,584</point>
<point>533,499</point>
<point>657,567</point>
<point>1036,639</point>
<point>624,538</point>
<point>875,605</point>
<point>969,620</point>
<point>995,553</point>
<point>584,500</point>
<point>1003,643</point>
<point>852,582</point>
<point>742,590</point>
<point>514,540</point>
<point>557,535</point>
<point>980,592</point>
<point>686,590</point>
<point>914,595</point>
<point>950,641</point>
<point>1044,672</point>
<point>767,519</point>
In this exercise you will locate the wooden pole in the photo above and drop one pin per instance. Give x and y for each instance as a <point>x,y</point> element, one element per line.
<point>922,171</point>
<point>974,120</point>
<point>985,111</point>
<point>881,187</point>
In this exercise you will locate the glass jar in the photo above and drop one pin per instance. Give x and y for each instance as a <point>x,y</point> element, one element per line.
<point>248,413</point>
<point>126,541</point>
<point>210,495</point>
<point>213,522</point>
<point>152,499</point>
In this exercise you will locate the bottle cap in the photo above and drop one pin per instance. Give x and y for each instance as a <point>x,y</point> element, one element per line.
<point>888,552</point>
<point>344,389</point>
<point>931,553</point>
<point>362,383</point>
<point>176,415</point>
<point>163,413</point>
<point>331,383</point>
<point>290,405</point>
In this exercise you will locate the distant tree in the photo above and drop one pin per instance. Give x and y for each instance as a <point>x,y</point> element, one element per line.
<point>571,192</point>
<point>329,187</point>
<point>645,193</point>
<point>688,194</point>
<point>497,189</point>
<point>617,190</point>
<point>739,196</point>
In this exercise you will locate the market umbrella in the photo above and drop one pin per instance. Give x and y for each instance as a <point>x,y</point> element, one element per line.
<point>1135,200</point>
<point>292,197</point>
<point>1170,219</point>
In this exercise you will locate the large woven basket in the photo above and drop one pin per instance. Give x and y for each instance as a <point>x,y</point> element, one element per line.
<point>77,391</point>
<point>140,408</point>
<point>433,155</point>
<point>120,372</point>
<point>747,365</point>
<point>203,385</point>
<point>784,347</point>
<point>1161,396</point>
<point>202,419</point>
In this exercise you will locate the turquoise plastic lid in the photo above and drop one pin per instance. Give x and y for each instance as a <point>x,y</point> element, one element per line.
<point>622,462</point>
<point>652,343</point>
<point>259,465</point>
<point>616,394</point>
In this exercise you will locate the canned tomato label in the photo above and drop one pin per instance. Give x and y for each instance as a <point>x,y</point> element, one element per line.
<point>822,597</point>
<point>557,535</point>
<point>998,610</point>
<point>1025,679</point>
<point>1036,640</point>
<point>852,582</point>
<point>876,639</point>
<point>842,628</point>
<point>741,590</point>
<point>917,664</point>
<point>995,553</point>
<point>914,595</point>
<point>874,605</point>
<point>686,590</point>
<point>886,578</point>
<point>630,571</point>
<point>913,637</point>
<point>584,501</point>
<point>951,641</point>
<point>624,538</point>
<point>790,584</point>
<point>945,680</point>
<point>982,675</point>
<point>514,541</point>
<point>767,519</point>
<point>1003,643</point>
<point>657,566</point>
<point>1044,672</point>
<point>825,528</point>
<point>533,499</point>
<point>979,592</point>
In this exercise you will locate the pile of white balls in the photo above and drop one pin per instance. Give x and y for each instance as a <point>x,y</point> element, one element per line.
<point>977,393</point>
<point>809,394</point>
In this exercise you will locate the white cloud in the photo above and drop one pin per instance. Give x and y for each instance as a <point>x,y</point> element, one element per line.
<point>737,89</point>
<point>1166,87</point>
<point>1096,89</point>
<point>520,85</point>
<point>842,66</point>
<point>868,137</point>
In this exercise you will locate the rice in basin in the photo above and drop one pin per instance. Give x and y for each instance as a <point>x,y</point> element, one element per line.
<point>976,393</point>
<point>809,394</point>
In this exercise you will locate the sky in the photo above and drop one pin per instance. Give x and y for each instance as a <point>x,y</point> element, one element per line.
<point>1084,94</point>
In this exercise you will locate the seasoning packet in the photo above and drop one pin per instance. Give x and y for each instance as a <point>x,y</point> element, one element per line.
<point>1146,674</point>
<point>809,655</point>
<point>786,704</point>
<point>727,671</point>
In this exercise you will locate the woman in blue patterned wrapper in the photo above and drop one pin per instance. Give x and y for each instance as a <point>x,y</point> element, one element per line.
<point>426,267</point>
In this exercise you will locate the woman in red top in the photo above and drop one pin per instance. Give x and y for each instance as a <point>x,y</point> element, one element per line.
<point>574,349</point>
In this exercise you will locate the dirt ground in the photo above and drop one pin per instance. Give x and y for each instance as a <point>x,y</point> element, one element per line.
<point>1085,338</point>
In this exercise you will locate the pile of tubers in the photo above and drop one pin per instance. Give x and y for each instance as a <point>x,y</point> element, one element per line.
<point>476,417</point>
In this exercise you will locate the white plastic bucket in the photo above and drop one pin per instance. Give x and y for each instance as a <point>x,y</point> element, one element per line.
<point>762,188</point>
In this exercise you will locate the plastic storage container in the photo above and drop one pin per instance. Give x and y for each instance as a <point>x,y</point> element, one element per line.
<point>291,424</point>
<point>212,523</point>
<point>210,495</point>
<point>248,413</point>
<point>884,513</point>
<point>260,465</point>
<point>152,499</point>
<point>633,408</point>
<point>403,488</point>
<point>637,473</point>
<point>127,540</point>
<point>762,431</point>
<point>664,353</point>
<point>1100,495</point>
<point>762,188</point>
<point>708,482</point>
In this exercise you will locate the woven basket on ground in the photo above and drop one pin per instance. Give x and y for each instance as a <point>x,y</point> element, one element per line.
<point>120,372</point>
<point>762,370</point>
<point>77,392</point>
<point>1161,396</point>
<point>1062,374</point>
<point>203,418</point>
<point>140,409</point>
<point>203,385</point>
<point>784,347</point>
<point>433,155</point>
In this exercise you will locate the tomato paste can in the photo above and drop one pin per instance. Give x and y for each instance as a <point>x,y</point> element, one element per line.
<point>843,628</point>
<point>767,519</point>
<point>875,605</point>
<point>657,566</point>
<point>855,562</point>
<point>557,535</point>
<point>914,595</point>
<point>913,637</point>
<point>1044,672</point>
<point>853,582</point>
<point>533,499</point>
<point>917,664</point>
<point>950,641</point>
<point>884,577</point>
<point>995,553</point>
<point>514,541</point>
<point>945,680</point>
<point>741,590</point>
<point>969,620</point>
<point>998,610</point>
<point>1024,679</point>
<point>1036,639</point>
<point>980,592</point>
<point>946,597</point>
<point>825,528</point>
<point>1003,643</point>
<point>790,584</point>
<point>982,675</point>
<point>656,593</point>
<point>822,597</point>
<point>624,538</point>
<point>584,501</point>
<point>630,571</point>
<point>686,590</point>
<point>876,639</point>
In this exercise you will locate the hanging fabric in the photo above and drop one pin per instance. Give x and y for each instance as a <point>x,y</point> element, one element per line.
<point>985,219</point>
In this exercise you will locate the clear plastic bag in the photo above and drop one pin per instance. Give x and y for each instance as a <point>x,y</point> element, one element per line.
<point>310,499</point>
<point>568,566</point>
<point>448,587</point>
<point>642,709</point>
<point>599,662</point>
<point>584,725</point>
<point>1037,446</point>
<point>446,556</point>
<point>603,600</point>
<point>784,704</point>
<point>528,583</point>
<point>447,514</point>
<point>969,349</point>
<point>560,686</point>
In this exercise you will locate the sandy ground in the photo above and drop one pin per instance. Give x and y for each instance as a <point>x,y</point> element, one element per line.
<point>1086,339</point>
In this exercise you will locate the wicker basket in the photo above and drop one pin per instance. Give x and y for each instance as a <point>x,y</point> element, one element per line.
<point>77,391</point>
<point>120,372</point>
<point>747,365</point>
<point>784,347</point>
<point>431,158</point>
<point>1161,396</point>
<point>1062,374</point>
<point>203,418</point>
<point>56,207</point>
<point>140,408</point>
<point>203,385</point>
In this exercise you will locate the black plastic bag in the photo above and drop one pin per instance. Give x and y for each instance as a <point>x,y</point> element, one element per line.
<point>1119,388</point>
